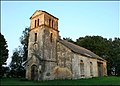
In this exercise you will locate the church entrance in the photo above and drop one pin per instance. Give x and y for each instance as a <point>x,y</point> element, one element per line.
<point>34,72</point>
<point>100,69</point>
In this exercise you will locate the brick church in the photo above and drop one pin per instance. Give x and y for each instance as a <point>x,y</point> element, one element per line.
<point>50,57</point>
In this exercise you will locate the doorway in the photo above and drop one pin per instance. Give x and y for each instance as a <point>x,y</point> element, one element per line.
<point>34,72</point>
<point>100,69</point>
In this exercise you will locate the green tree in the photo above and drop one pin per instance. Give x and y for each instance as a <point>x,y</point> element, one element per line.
<point>116,55</point>
<point>69,39</point>
<point>96,44</point>
<point>20,56</point>
<point>17,69</point>
<point>24,42</point>
<point>3,52</point>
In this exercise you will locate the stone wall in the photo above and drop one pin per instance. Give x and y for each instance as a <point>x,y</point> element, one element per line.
<point>86,60</point>
<point>71,60</point>
<point>64,56</point>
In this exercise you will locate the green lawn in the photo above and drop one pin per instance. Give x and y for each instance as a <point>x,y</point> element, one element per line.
<point>111,80</point>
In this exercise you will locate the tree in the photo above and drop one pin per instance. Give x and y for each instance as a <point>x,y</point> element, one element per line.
<point>24,42</point>
<point>3,52</point>
<point>116,55</point>
<point>6,71</point>
<point>96,44</point>
<point>17,69</point>
<point>20,56</point>
<point>69,39</point>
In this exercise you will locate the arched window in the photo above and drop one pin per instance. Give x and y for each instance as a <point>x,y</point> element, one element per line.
<point>35,37</point>
<point>91,69</point>
<point>81,68</point>
<point>38,23</point>
<point>50,22</point>
<point>51,35</point>
<point>35,23</point>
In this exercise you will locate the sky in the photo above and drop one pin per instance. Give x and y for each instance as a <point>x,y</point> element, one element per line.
<point>76,19</point>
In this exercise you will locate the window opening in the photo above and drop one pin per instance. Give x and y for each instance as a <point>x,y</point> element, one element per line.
<point>38,23</point>
<point>35,23</point>
<point>82,68</point>
<point>91,69</point>
<point>51,35</point>
<point>35,37</point>
<point>52,23</point>
<point>49,22</point>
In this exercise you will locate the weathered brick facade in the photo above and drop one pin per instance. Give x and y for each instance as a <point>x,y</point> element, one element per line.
<point>46,51</point>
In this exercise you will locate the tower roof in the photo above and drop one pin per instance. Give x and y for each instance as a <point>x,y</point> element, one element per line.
<point>37,12</point>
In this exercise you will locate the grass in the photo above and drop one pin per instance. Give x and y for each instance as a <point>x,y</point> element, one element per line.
<point>111,80</point>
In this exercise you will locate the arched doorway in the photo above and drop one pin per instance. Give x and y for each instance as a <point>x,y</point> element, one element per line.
<point>34,72</point>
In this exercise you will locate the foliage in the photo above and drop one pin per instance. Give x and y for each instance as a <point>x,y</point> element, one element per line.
<point>20,56</point>
<point>5,71</point>
<point>96,44</point>
<point>3,52</point>
<point>24,42</point>
<point>17,69</point>
<point>115,55</point>
<point>69,39</point>
<point>111,80</point>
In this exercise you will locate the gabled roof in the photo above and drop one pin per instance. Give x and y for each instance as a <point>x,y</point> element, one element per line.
<point>79,50</point>
<point>41,11</point>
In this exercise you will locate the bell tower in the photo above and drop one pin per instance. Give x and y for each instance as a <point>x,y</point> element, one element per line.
<point>42,51</point>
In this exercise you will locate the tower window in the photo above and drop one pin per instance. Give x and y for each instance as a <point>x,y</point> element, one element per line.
<point>52,23</point>
<point>38,23</point>
<point>35,37</point>
<point>49,22</point>
<point>51,35</point>
<point>35,23</point>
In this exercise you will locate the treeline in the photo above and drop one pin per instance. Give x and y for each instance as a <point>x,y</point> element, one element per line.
<point>109,49</point>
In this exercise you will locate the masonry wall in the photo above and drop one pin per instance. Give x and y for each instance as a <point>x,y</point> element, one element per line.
<point>71,60</point>
<point>76,66</point>
<point>64,56</point>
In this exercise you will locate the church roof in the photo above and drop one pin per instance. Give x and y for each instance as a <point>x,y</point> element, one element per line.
<point>79,50</point>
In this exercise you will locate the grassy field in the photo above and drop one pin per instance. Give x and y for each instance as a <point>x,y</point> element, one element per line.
<point>111,80</point>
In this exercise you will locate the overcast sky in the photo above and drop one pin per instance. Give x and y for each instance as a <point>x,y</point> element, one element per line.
<point>76,19</point>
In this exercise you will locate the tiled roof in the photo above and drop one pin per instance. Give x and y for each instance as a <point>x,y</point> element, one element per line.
<point>79,50</point>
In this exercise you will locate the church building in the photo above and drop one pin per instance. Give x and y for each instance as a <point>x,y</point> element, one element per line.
<point>50,57</point>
